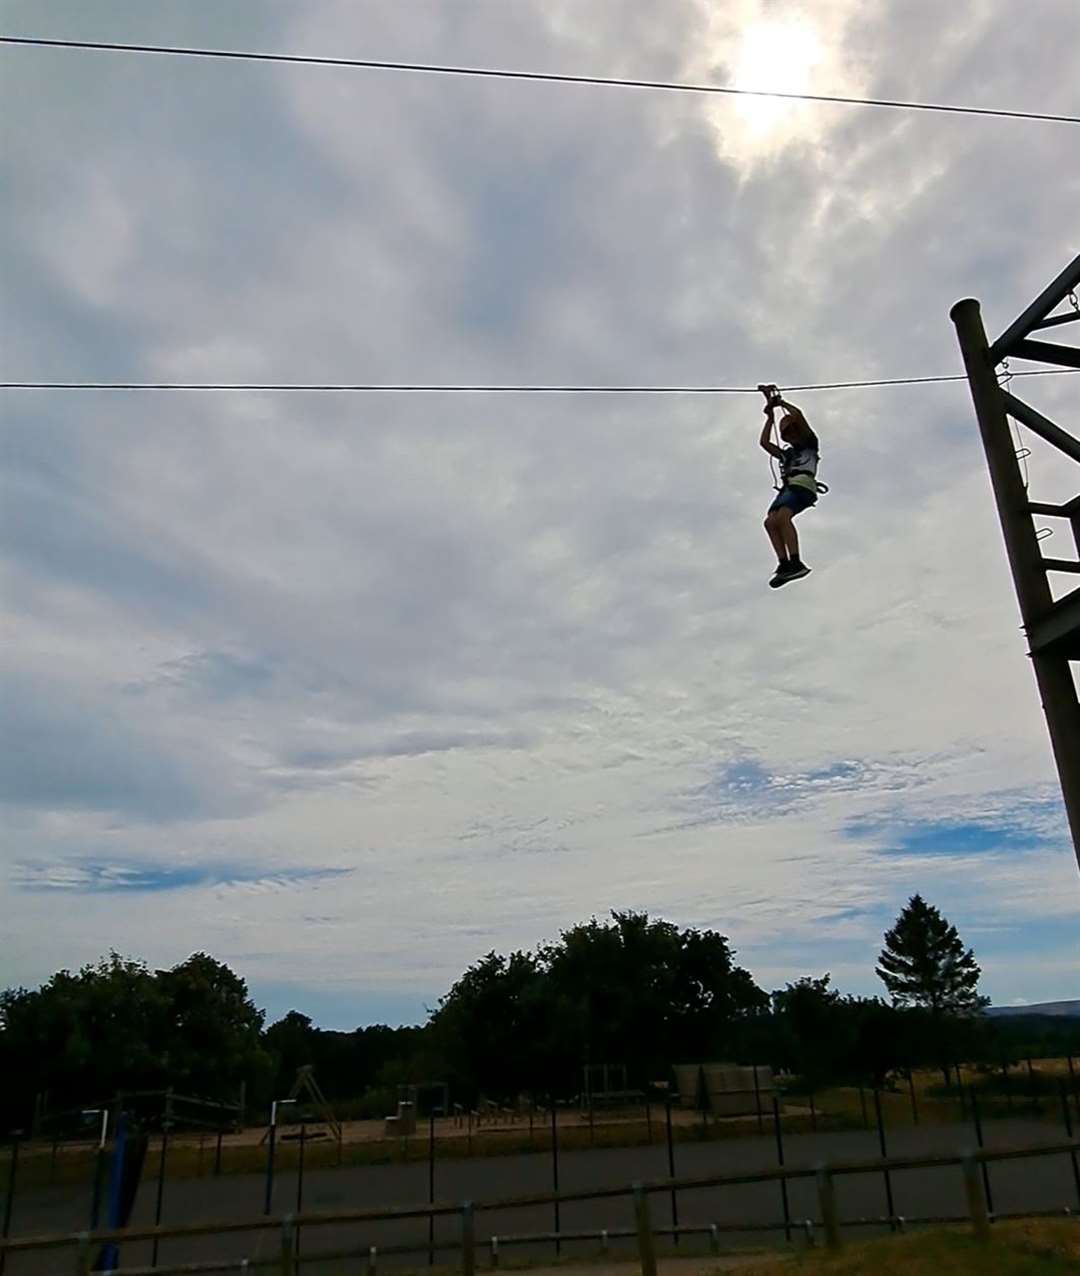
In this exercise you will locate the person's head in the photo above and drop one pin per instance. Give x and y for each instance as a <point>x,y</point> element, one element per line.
<point>793,429</point>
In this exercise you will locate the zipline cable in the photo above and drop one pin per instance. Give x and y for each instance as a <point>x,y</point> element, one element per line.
<point>373,388</point>
<point>544,77</point>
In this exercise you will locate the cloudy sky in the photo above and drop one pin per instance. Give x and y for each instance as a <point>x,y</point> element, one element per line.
<point>348,690</point>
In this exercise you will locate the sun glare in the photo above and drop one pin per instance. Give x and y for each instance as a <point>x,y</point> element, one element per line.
<point>779,55</point>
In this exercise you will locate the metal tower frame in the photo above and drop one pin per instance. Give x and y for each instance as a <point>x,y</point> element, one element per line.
<point>1053,628</point>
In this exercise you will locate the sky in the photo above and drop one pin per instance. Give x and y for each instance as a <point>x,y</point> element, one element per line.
<point>348,690</point>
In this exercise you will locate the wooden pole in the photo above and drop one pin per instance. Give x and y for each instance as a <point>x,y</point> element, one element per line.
<point>83,1255</point>
<point>287,1265</point>
<point>646,1248</point>
<point>830,1219</point>
<point>468,1240</point>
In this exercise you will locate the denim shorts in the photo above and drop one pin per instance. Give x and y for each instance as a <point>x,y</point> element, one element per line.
<point>795,499</point>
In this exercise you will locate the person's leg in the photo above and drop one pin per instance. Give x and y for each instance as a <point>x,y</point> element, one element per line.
<point>776,536</point>
<point>789,537</point>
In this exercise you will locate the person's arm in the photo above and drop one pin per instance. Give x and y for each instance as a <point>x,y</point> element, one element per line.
<point>766,434</point>
<point>795,412</point>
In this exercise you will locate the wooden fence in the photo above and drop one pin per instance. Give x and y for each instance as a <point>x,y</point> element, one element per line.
<point>286,1262</point>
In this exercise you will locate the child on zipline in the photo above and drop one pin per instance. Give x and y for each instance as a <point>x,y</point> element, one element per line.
<point>798,476</point>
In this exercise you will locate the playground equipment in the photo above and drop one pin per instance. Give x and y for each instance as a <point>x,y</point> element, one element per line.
<point>606,1086</point>
<point>308,1106</point>
<point>725,1089</point>
<point>424,1098</point>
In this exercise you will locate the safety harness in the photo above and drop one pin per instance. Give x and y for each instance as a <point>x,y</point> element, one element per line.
<point>773,399</point>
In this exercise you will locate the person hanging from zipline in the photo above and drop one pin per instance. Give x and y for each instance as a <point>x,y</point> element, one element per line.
<point>799,486</point>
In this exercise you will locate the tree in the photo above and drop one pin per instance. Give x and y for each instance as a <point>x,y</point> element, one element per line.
<point>82,1036</point>
<point>924,963</point>
<point>640,991</point>
<point>487,1029</point>
<point>291,1042</point>
<point>810,1028</point>
<point>214,1029</point>
<point>117,1024</point>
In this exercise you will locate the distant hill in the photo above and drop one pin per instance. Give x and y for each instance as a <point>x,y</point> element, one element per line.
<point>1058,1009</point>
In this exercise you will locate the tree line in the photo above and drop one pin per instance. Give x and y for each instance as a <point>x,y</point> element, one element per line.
<point>631,990</point>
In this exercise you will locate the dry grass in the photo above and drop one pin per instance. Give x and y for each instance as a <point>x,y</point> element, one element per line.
<point>1016,1249</point>
<point>1037,1248</point>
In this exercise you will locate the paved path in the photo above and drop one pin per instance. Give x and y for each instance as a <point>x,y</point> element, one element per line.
<point>751,1212</point>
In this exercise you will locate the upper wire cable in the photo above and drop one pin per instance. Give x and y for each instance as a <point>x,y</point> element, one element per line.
<point>375,388</point>
<point>546,77</point>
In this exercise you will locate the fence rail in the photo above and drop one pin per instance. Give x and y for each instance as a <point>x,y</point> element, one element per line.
<point>85,1243</point>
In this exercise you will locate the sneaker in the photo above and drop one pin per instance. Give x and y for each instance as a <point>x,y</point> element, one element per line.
<point>782,575</point>
<point>796,569</point>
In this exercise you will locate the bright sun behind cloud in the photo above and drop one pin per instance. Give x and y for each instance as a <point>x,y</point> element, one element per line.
<point>775,47</point>
<point>779,55</point>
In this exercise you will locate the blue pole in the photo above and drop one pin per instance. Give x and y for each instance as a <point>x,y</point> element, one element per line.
<point>110,1254</point>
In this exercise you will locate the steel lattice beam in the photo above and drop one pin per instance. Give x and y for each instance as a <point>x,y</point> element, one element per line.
<point>1039,309</point>
<point>1053,628</point>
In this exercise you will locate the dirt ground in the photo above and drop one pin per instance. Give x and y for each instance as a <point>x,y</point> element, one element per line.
<point>461,1127</point>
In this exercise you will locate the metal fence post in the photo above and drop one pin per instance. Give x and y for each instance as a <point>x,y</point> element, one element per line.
<point>973,1189</point>
<point>9,1201</point>
<point>780,1161</point>
<point>979,1139</point>
<point>468,1240</point>
<point>431,1186</point>
<point>95,1187</point>
<point>646,1248</point>
<point>671,1168</point>
<point>555,1168</point>
<point>757,1102</point>
<point>270,1146</point>
<point>160,1188</point>
<point>1069,1133</point>
<point>884,1157</point>
<point>300,1182</point>
<point>830,1220</point>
